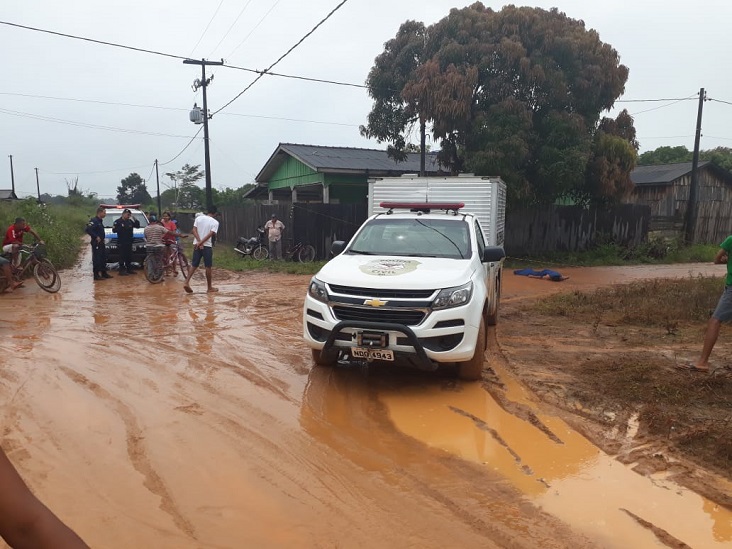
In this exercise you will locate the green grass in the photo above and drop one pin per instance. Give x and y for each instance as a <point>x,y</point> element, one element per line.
<point>645,303</point>
<point>226,258</point>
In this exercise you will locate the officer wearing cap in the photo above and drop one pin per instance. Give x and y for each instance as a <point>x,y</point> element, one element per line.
<point>124,228</point>
<point>95,229</point>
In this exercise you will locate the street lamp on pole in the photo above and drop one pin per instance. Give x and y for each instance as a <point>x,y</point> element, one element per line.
<point>203,83</point>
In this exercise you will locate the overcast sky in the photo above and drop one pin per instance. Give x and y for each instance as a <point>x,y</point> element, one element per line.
<point>59,94</point>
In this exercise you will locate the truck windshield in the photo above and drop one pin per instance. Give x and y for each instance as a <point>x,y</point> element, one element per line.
<point>420,237</point>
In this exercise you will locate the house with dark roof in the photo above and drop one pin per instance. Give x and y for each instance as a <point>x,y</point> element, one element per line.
<point>330,175</point>
<point>665,188</point>
<point>8,194</point>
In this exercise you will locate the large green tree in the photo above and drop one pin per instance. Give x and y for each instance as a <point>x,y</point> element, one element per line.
<point>132,190</point>
<point>517,93</point>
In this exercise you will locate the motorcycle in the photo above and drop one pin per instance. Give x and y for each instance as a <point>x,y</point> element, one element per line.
<point>253,247</point>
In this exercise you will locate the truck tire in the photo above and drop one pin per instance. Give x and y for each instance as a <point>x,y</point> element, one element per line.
<point>492,318</point>
<point>318,358</point>
<point>472,370</point>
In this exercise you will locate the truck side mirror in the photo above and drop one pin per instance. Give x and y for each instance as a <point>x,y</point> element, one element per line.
<point>337,247</point>
<point>492,254</point>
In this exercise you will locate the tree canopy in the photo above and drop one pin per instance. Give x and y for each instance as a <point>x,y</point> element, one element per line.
<point>132,190</point>
<point>517,93</point>
<point>183,193</point>
<point>721,156</point>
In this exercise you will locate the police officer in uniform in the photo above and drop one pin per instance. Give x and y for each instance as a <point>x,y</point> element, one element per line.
<point>124,227</point>
<point>95,229</point>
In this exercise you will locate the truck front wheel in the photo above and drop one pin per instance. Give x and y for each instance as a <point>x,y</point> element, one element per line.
<point>320,361</point>
<point>472,370</point>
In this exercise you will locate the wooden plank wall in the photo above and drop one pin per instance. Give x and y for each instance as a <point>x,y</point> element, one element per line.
<point>569,228</point>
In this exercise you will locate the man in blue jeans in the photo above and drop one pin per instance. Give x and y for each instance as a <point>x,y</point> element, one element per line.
<point>204,230</point>
<point>723,312</point>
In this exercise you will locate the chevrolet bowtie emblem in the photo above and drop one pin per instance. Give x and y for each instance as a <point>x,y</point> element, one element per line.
<point>375,302</point>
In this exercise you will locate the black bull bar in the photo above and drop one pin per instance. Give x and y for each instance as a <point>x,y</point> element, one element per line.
<point>330,351</point>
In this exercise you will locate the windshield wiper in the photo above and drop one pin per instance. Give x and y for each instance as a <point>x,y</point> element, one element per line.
<point>361,252</point>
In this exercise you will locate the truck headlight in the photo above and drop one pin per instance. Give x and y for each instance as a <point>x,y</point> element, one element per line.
<point>317,290</point>
<point>453,297</point>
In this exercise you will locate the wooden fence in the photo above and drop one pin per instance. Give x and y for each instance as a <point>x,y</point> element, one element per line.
<point>547,229</point>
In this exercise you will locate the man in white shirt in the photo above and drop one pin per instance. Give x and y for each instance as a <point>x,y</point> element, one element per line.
<point>275,228</point>
<point>204,229</point>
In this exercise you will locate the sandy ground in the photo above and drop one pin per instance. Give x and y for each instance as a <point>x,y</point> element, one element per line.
<point>146,417</point>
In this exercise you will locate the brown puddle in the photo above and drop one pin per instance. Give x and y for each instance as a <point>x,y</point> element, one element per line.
<point>559,470</point>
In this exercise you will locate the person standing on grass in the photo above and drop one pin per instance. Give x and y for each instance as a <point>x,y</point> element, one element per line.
<point>275,228</point>
<point>205,228</point>
<point>723,312</point>
<point>25,521</point>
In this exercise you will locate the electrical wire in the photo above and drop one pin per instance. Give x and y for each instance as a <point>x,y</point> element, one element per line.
<point>720,101</point>
<point>232,25</point>
<point>183,149</point>
<point>664,106</point>
<point>104,43</point>
<point>135,105</point>
<point>255,28</point>
<point>207,26</point>
<point>311,31</point>
<point>93,172</point>
<point>296,77</point>
<point>84,125</point>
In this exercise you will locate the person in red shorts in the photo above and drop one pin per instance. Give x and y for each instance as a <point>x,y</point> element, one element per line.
<point>14,238</point>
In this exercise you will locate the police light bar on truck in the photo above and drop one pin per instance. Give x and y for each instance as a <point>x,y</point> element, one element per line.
<point>120,206</point>
<point>422,206</point>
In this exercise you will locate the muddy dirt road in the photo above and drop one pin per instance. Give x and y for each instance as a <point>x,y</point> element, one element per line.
<point>145,417</point>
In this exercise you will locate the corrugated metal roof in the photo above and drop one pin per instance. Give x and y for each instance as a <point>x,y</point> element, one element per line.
<point>7,194</point>
<point>375,162</point>
<point>661,174</point>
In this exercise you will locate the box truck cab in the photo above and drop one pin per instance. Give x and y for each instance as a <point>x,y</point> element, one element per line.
<point>419,281</point>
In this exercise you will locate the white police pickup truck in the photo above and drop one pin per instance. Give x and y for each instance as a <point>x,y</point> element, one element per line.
<point>418,283</point>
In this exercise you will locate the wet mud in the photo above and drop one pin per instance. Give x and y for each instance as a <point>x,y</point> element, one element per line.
<point>147,417</point>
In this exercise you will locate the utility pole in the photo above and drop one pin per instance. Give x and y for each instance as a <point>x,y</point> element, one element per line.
<point>157,178</point>
<point>38,186</point>
<point>694,185</point>
<point>12,175</point>
<point>203,83</point>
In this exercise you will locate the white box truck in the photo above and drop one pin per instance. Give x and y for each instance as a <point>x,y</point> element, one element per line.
<point>419,281</point>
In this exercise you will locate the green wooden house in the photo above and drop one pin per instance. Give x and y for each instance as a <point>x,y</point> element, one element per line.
<point>329,175</point>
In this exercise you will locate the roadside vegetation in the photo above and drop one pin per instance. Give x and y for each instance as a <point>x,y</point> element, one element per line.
<point>640,331</point>
<point>60,226</point>
<point>227,258</point>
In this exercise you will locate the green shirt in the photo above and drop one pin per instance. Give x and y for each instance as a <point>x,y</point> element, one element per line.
<point>727,247</point>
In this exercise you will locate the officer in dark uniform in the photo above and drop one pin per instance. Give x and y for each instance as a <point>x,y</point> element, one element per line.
<point>124,227</point>
<point>95,229</point>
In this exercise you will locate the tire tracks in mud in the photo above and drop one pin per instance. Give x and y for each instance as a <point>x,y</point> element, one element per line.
<point>136,451</point>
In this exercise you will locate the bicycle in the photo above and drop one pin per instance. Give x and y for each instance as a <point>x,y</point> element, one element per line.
<point>157,263</point>
<point>304,253</point>
<point>33,259</point>
<point>154,266</point>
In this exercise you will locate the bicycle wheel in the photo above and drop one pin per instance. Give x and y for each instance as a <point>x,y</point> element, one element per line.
<point>153,269</point>
<point>260,253</point>
<point>46,276</point>
<point>183,264</point>
<point>306,254</point>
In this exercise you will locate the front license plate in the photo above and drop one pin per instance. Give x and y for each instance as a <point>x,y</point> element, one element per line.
<point>372,354</point>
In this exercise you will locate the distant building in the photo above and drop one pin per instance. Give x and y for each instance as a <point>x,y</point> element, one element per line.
<point>8,194</point>
<point>312,173</point>
<point>665,188</point>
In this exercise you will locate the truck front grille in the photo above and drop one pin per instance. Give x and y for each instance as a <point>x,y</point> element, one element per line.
<point>380,293</point>
<point>409,317</point>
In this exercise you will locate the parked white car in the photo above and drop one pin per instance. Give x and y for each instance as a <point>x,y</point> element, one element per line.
<point>416,284</point>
